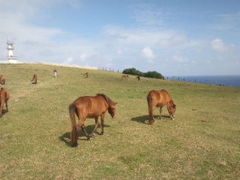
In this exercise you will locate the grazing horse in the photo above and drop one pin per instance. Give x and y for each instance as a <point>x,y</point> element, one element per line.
<point>138,78</point>
<point>89,107</point>
<point>34,79</point>
<point>160,98</point>
<point>2,80</point>
<point>4,96</point>
<point>85,74</point>
<point>125,76</point>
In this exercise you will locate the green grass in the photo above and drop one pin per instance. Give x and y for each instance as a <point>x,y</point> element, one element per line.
<point>203,142</point>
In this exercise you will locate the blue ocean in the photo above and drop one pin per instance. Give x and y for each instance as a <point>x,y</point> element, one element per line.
<point>233,80</point>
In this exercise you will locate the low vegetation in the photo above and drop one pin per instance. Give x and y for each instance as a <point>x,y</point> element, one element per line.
<point>201,143</point>
<point>149,74</point>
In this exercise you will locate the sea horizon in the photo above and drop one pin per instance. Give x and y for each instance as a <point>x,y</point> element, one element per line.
<point>222,80</point>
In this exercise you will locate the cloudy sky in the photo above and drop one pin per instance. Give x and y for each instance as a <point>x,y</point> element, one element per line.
<point>174,37</point>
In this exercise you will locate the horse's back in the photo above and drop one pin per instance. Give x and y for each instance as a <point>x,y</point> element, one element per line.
<point>90,106</point>
<point>158,96</point>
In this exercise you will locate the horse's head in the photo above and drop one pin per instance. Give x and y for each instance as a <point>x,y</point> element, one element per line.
<point>171,109</point>
<point>112,109</point>
<point>111,104</point>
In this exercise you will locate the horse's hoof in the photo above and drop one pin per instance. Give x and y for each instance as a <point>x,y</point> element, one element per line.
<point>101,133</point>
<point>151,122</point>
<point>74,144</point>
<point>92,135</point>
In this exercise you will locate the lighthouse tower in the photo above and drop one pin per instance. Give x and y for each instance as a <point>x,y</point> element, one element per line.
<point>10,49</point>
<point>11,58</point>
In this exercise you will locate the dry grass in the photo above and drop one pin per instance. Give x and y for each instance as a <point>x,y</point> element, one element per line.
<point>202,143</point>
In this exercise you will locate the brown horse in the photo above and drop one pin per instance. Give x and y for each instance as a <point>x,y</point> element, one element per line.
<point>2,80</point>
<point>4,97</point>
<point>138,78</point>
<point>85,74</point>
<point>125,76</point>
<point>160,98</point>
<point>89,107</point>
<point>34,79</point>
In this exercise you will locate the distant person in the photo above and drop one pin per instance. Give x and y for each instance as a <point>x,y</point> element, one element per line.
<point>34,79</point>
<point>55,73</point>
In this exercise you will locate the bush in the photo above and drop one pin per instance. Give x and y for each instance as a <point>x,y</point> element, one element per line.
<point>133,71</point>
<point>154,74</point>
<point>150,74</point>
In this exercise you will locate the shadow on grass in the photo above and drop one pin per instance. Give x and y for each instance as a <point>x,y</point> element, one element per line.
<point>145,118</point>
<point>4,111</point>
<point>66,136</point>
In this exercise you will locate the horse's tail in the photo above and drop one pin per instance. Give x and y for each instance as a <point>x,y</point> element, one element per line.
<point>73,135</point>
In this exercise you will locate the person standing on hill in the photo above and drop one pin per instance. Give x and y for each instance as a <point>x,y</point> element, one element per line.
<point>55,73</point>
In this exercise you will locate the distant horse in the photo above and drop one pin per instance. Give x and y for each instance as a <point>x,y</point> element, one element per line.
<point>138,78</point>
<point>55,73</point>
<point>85,74</point>
<point>4,97</point>
<point>34,79</point>
<point>89,107</point>
<point>2,80</point>
<point>125,76</point>
<point>160,98</point>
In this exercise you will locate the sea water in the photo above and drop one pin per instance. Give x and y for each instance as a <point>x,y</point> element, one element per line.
<point>229,80</point>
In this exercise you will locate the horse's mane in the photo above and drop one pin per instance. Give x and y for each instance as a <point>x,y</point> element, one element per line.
<point>108,100</point>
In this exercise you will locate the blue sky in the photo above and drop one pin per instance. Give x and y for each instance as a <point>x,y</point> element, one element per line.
<point>174,37</point>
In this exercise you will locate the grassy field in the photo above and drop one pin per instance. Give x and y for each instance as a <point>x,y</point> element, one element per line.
<point>203,142</point>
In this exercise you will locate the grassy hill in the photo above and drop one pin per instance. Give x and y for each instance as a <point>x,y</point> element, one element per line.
<point>203,142</point>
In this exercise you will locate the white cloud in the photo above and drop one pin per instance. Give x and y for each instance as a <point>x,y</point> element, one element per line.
<point>119,51</point>
<point>68,61</point>
<point>150,37</point>
<point>114,47</point>
<point>148,53</point>
<point>220,46</point>
<point>83,57</point>
<point>147,14</point>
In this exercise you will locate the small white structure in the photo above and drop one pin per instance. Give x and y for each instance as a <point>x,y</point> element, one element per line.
<point>10,49</point>
<point>11,59</point>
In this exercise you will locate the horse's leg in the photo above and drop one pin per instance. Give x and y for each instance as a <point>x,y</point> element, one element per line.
<point>96,125</point>
<point>85,132</point>
<point>81,124</point>
<point>102,124</point>
<point>160,112</point>
<point>6,104</point>
<point>150,111</point>
<point>1,107</point>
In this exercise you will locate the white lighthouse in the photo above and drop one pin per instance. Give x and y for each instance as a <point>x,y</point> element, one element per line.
<point>10,49</point>
<point>11,58</point>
